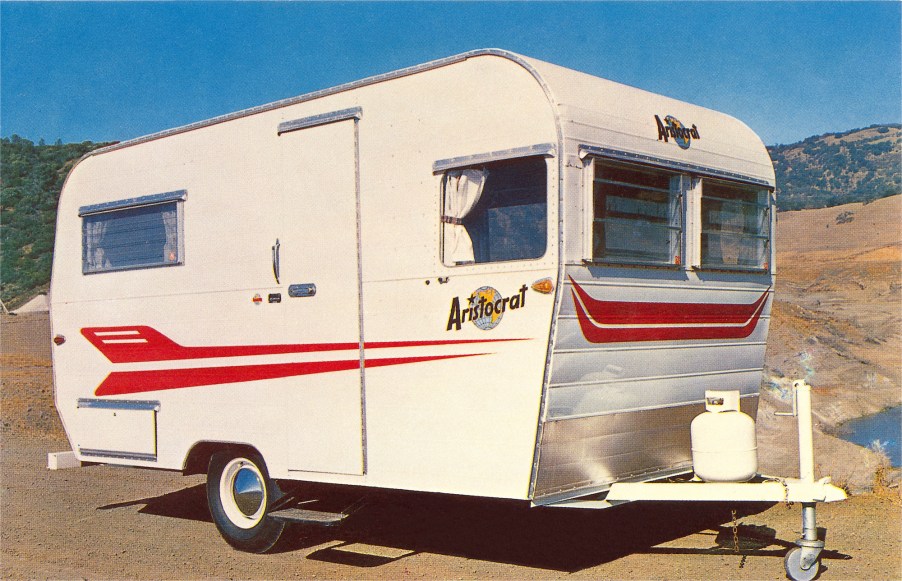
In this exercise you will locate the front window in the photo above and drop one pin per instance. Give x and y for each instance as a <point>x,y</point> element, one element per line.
<point>637,214</point>
<point>495,212</point>
<point>735,226</point>
<point>139,233</point>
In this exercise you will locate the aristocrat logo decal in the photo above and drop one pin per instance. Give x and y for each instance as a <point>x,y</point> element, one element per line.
<point>485,308</point>
<point>671,128</point>
<point>604,321</point>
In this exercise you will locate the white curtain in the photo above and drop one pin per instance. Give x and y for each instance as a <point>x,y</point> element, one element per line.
<point>170,223</point>
<point>94,254</point>
<point>463,188</point>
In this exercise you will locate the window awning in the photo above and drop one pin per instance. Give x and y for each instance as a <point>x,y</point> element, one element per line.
<point>690,168</point>
<point>442,165</point>
<point>133,202</point>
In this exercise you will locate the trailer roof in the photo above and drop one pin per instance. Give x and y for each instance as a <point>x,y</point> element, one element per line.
<point>614,119</point>
<point>601,115</point>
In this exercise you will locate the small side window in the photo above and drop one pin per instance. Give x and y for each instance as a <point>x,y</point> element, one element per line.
<point>735,226</point>
<point>140,233</point>
<point>637,216</point>
<point>495,212</point>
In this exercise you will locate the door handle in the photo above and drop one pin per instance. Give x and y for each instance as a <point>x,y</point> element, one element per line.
<point>307,289</point>
<point>275,260</point>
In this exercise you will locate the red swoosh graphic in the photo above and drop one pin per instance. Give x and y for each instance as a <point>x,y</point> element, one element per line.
<point>128,382</point>
<point>141,344</point>
<point>623,321</point>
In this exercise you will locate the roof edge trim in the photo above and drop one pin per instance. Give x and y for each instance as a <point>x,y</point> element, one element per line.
<point>435,64</point>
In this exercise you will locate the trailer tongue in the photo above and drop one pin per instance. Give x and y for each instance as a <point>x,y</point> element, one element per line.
<point>802,563</point>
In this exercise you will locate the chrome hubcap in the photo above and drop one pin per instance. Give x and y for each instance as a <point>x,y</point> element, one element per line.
<point>242,492</point>
<point>247,490</point>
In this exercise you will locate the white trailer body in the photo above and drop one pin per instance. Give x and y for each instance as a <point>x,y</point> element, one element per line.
<point>485,275</point>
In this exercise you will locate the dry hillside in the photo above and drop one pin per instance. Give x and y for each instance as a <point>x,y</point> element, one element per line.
<point>837,321</point>
<point>838,302</point>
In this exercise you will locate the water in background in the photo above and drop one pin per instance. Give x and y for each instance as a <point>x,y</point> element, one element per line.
<point>885,427</point>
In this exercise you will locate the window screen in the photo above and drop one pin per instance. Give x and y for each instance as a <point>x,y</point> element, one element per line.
<point>510,219</point>
<point>735,226</point>
<point>131,237</point>
<point>637,214</point>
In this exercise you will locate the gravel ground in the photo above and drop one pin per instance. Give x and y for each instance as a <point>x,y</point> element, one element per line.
<point>102,522</point>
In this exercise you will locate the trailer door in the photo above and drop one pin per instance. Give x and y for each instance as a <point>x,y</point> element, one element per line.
<point>318,270</point>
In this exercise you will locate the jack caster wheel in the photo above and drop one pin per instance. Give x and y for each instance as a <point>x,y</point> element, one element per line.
<point>240,494</point>
<point>793,563</point>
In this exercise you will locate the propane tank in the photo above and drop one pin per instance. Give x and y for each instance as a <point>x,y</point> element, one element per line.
<point>724,448</point>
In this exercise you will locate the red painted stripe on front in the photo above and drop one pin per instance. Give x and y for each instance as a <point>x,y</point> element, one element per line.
<point>647,313</point>
<point>598,326</point>
<point>154,346</point>
<point>128,382</point>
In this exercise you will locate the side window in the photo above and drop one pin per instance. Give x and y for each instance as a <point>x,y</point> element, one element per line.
<point>495,212</point>
<point>637,215</point>
<point>140,233</point>
<point>735,226</point>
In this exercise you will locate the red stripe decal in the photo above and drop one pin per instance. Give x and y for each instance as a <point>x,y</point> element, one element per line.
<point>139,344</point>
<point>127,382</point>
<point>621,321</point>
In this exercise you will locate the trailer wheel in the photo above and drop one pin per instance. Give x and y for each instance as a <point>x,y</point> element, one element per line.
<point>240,494</point>
<point>793,563</point>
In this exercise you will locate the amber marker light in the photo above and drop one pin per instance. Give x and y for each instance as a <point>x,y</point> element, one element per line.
<point>544,286</point>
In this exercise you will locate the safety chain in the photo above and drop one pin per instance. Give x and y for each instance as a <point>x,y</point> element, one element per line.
<point>786,500</point>
<point>735,533</point>
<point>736,540</point>
<point>788,503</point>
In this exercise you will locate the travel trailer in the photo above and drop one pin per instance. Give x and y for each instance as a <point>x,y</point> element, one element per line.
<point>485,275</point>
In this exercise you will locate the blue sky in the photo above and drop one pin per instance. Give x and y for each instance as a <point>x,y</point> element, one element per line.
<point>113,71</point>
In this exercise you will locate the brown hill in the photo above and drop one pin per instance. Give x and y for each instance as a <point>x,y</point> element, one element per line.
<point>838,299</point>
<point>837,321</point>
<point>839,168</point>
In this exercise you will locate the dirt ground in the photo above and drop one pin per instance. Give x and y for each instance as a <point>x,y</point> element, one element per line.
<point>101,522</point>
<point>836,321</point>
